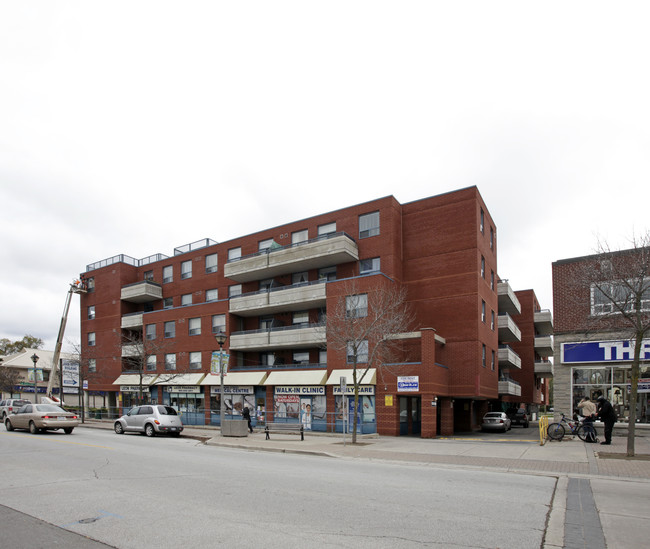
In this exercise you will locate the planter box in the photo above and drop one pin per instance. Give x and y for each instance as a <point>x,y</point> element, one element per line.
<point>234,428</point>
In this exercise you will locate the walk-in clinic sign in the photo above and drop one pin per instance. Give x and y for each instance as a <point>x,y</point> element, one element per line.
<point>407,384</point>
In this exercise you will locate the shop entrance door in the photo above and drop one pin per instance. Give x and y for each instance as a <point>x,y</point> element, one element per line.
<point>410,415</point>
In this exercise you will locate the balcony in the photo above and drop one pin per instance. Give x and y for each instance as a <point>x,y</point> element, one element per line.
<point>508,330</point>
<point>508,302</point>
<point>302,336</point>
<point>508,358</point>
<point>131,350</point>
<point>544,322</point>
<point>544,368</point>
<point>280,300</point>
<point>324,251</point>
<point>511,388</point>
<point>142,292</point>
<point>544,345</point>
<point>133,321</point>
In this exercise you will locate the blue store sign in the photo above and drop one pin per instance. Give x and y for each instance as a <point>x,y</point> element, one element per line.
<point>603,351</point>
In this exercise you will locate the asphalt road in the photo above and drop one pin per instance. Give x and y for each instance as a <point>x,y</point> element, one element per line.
<point>133,492</point>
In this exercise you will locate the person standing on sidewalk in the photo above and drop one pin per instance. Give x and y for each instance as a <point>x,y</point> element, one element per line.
<point>606,412</point>
<point>588,411</point>
<point>246,414</point>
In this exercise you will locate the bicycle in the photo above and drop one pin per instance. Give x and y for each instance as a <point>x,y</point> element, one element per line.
<point>557,430</point>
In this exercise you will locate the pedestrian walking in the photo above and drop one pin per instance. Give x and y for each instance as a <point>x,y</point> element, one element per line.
<point>606,413</point>
<point>246,413</point>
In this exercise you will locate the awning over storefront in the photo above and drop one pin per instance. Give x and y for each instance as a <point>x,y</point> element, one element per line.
<point>236,378</point>
<point>134,379</point>
<point>369,378</point>
<point>310,377</point>
<point>180,379</point>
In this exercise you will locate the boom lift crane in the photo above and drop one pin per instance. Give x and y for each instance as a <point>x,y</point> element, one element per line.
<point>77,287</point>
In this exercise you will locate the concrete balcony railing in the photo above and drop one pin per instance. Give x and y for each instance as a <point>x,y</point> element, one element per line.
<point>325,251</point>
<point>281,300</point>
<point>508,358</point>
<point>544,345</point>
<point>508,302</point>
<point>508,329</point>
<point>134,321</point>
<point>292,337</point>
<point>544,322</point>
<point>544,368</point>
<point>142,292</point>
<point>509,388</point>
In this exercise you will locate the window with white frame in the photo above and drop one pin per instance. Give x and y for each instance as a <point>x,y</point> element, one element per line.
<point>91,312</point>
<point>92,365</point>
<point>491,238</point>
<point>212,295</point>
<point>327,273</point>
<point>362,352</point>
<point>211,263</point>
<point>150,331</point>
<point>326,229</point>
<point>356,306</point>
<point>301,317</point>
<point>151,363</point>
<point>170,329</point>
<point>218,323</point>
<point>186,299</point>
<point>483,313</point>
<point>301,357</point>
<point>322,357</point>
<point>369,225</point>
<point>482,267</point>
<point>492,323</point>
<point>484,357</point>
<point>194,326</point>
<point>168,303</point>
<point>298,237</point>
<point>170,361</point>
<point>234,290</point>
<point>148,275</point>
<point>610,297</point>
<point>298,279</point>
<point>492,280</point>
<point>234,254</point>
<point>267,359</point>
<point>264,244</point>
<point>186,270</point>
<point>91,339</point>
<point>482,221</point>
<point>493,360</point>
<point>369,265</point>
<point>90,285</point>
<point>168,274</point>
<point>195,360</point>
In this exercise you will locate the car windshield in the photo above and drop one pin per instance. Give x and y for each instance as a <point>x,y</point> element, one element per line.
<point>49,408</point>
<point>167,411</point>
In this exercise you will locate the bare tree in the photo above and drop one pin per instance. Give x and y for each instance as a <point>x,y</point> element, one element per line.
<point>9,378</point>
<point>364,324</point>
<point>618,286</point>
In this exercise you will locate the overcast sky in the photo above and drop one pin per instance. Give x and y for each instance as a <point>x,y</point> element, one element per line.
<point>135,127</point>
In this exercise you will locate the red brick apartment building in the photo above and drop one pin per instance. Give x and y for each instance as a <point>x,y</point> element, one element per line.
<point>268,291</point>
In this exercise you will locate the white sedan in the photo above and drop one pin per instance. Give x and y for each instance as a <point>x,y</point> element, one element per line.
<point>42,417</point>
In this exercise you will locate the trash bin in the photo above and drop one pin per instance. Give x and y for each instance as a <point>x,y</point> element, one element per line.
<point>234,428</point>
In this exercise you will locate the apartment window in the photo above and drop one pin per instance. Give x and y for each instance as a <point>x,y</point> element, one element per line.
<point>492,321</point>
<point>369,225</point>
<point>265,244</point>
<point>212,295</point>
<point>267,359</point>
<point>492,366</point>
<point>484,356</point>
<point>92,365</point>
<point>327,273</point>
<point>483,317</point>
<point>91,312</point>
<point>150,331</point>
<point>301,357</point>
<point>322,357</point>
<point>91,339</point>
<point>482,222</point>
<point>492,280</point>
<point>356,306</point>
<point>170,329</point>
<point>491,238</point>
<point>218,323</point>
<point>234,290</point>
<point>266,322</point>
<point>301,317</point>
<point>186,299</point>
<point>362,352</point>
<point>195,360</point>
<point>482,267</point>
<point>151,363</point>
<point>601,298</point>
<point>298,279</point>
<point>148,275</point>
<point>195,326</point>
<point>170,361</point>
<point>211,263</point>
<point>266,285</point>
<point>369,265</point>
<point>234,254</point>
<point>90,285</point>
<point>186,270</point>
<point>168,274</point>
<point>299,237</point>
<point>326,229</point>
<point>168,303</point>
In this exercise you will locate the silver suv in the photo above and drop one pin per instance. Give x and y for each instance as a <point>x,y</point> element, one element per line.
<point>11,406</point>
<point>150,419</point>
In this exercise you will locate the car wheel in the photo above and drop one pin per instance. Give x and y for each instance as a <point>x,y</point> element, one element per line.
<point>68,430</point>
<point>149,430</point>
<point>8,425</point>
<point>32,428</point>
<point>118,428</point>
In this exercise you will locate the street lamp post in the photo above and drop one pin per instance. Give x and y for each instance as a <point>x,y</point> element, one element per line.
<point>35,358</point>
<point>221,339</point>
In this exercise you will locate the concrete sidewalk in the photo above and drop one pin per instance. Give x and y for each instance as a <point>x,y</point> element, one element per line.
<point>600,498</point>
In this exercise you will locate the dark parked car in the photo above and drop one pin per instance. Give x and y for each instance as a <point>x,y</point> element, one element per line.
<point>518,417</point>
